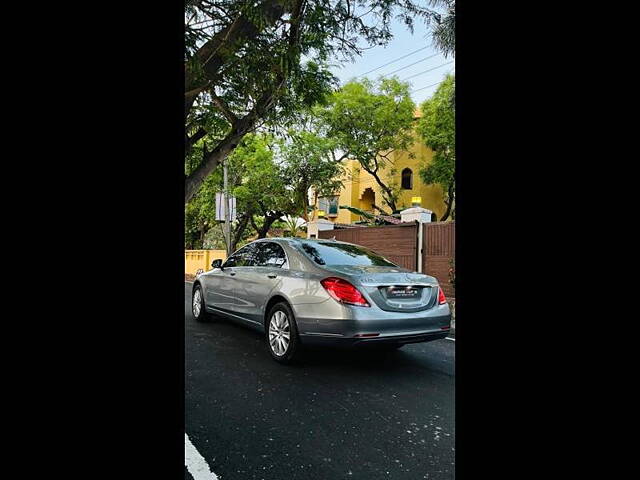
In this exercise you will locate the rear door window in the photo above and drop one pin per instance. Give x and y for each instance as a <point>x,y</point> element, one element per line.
<point>269,254</point>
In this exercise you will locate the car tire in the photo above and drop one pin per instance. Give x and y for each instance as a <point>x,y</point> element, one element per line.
<point>198,309</point>
<point>281,322</point>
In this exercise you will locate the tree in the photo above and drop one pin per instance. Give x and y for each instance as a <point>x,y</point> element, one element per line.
<point>309,165</point>
<point>444,26</point>
<point>200,211</point>
<point>261,191</point>
<point>368,121</point>
<point>270,179</point>
<point>200,215</point>
<point>245,64</point>
<point>437,128</point>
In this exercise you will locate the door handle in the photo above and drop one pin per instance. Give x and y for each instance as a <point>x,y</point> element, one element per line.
<point>232,273</point>
<point>272,275</point>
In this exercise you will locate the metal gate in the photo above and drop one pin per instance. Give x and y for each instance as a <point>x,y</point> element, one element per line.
<point>439,252</point>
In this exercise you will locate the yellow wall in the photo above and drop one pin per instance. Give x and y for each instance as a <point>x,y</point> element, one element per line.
<point>196,259</point>
<point>357,181</point>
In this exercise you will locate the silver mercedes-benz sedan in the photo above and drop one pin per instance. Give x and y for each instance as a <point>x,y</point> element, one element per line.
<point>300,292</point>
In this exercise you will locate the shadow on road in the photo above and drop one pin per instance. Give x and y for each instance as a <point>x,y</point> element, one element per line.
<point>244,342</point>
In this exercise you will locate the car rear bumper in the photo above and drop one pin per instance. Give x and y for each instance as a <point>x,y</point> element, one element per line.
<point>343,341</point>
<point>330,323</point>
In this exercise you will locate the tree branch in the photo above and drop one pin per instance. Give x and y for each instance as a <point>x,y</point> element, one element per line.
<point>240,127</point>
<point>224,108</point>
<point>253,224</point>
<point>192,94</point>
<point>190,141</point>
<point>212,54</point>
<point>380,210</point>
<point>390,201</point>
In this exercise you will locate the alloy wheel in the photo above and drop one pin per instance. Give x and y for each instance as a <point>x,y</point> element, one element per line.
<point>279,333</point>
<point>197,303</point>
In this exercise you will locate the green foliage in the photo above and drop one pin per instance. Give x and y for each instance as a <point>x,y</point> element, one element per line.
<point>270,178</point>
<point>308,163</point>
<point>368,121</point>
<point>200,214</point>
<point>214,238</point>
<point>369,218</point>
<point>278,175</point>
<point>357,211</point>
<point>443,23</point>
<point>259,184</point>
<point>291,226</point>
<point>252,64</point>
<point>437,128</point>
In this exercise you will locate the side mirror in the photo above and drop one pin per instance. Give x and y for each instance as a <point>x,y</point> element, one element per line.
<point>217,263</point>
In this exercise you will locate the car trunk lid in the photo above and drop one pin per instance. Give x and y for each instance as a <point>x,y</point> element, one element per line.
<point>393,289</point>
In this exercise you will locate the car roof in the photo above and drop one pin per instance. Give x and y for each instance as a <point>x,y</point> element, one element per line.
<point>300,240</point>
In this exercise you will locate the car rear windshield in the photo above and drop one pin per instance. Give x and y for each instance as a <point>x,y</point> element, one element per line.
<point>327,253</point>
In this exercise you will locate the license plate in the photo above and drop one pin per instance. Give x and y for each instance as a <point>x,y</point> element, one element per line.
<point>402,292</point>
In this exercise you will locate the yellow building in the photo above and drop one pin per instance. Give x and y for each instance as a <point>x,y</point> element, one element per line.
<point>362,191</point>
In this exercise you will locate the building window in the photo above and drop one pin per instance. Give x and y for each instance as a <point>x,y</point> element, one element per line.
<point>329,205</point>
<point>407,179</point>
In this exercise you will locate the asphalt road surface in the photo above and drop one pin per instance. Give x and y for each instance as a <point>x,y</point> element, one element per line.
<point>336,414</point>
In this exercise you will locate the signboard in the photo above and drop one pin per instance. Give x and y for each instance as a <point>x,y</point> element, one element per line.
<point>220,207</point>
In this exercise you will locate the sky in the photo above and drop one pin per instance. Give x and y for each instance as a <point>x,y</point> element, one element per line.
<point>402,44</point>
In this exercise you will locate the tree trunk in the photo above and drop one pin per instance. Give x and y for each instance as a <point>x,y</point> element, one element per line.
<point>389,200</point>
<point>380,210</point>
<point>449,203</point>
<point>315,203</point>
<point>237,234</point>
<point>264,104</point>
<point>224,148</point>
<point>190,141</point>
<point>305,204</point>
<point>268,221</point>
<point>239,129</point>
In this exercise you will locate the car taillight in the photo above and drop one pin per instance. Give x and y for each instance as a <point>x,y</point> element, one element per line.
<point>344,292</point>
<point>441,298</point>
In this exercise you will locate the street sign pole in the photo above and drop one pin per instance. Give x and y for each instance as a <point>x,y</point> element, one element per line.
<point>227,223</point>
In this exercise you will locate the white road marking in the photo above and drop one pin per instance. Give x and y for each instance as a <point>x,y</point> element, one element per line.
<point>196,465</point>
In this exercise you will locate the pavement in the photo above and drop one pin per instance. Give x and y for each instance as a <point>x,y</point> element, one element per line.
<point>335,414</point>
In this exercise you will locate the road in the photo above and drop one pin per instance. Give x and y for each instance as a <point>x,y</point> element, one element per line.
<point>335,415</point>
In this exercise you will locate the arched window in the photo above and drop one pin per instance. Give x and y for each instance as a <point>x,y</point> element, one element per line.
<point>407,179</point>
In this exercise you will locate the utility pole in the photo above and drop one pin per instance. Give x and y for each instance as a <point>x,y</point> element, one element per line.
<point>227,223</point>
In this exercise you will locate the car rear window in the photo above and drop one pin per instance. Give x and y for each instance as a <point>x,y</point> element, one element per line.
<point>328,253</point>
